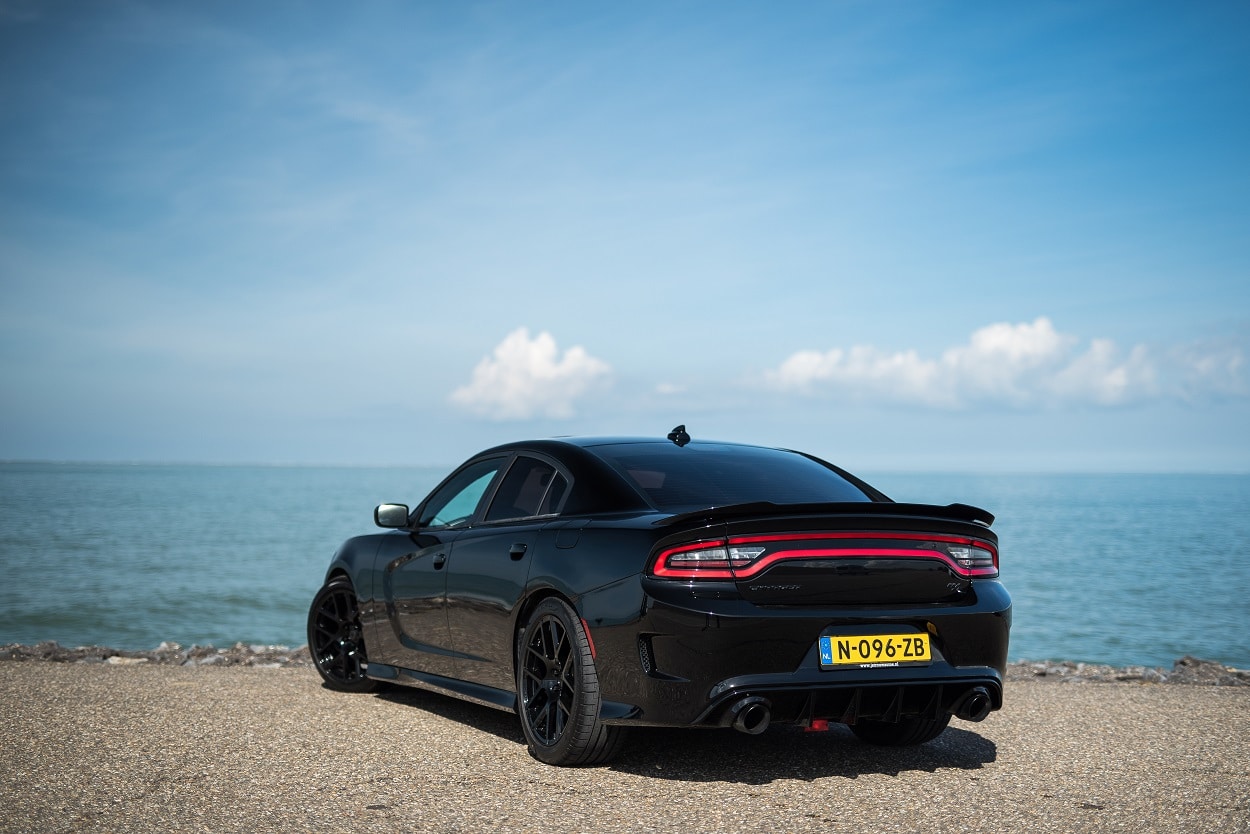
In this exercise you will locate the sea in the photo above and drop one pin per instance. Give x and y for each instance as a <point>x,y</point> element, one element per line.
<point>1110,569</point>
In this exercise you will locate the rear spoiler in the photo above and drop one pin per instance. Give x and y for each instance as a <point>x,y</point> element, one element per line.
<point>954,512</point>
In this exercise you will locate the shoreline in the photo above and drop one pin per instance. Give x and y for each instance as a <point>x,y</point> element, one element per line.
<point>1187,670</point>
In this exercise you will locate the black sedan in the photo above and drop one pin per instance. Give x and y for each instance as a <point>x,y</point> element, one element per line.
<point>591,585</point>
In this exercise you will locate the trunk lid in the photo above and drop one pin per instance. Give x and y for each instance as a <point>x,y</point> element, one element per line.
<point>846,554</point>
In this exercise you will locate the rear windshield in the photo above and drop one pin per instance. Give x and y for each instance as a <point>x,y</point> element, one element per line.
<point>710,475</point>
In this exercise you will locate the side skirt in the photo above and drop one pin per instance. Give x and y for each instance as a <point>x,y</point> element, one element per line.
<point>485,695</point>
<point>488,696</point>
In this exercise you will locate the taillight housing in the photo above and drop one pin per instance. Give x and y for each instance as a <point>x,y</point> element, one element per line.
<point>743,557</point>
<point>705,560</point>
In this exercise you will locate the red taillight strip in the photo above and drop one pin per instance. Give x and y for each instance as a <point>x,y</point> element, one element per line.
<point>771,559</point>
<point>661,569</point>
<point>789,537</point>
<point>960,540</point>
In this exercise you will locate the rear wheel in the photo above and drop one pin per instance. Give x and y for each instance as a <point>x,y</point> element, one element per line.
<point>335,638</point>
<point>558,690</point>
<point>903,733</point>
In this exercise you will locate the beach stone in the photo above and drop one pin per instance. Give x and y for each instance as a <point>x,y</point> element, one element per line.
<point>1192,670</point>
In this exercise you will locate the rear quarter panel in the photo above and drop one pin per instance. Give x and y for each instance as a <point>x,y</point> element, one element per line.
<point>582,555</point>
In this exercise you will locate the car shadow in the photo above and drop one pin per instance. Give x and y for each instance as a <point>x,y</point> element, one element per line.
<point>497,722</point>
<point>689,755</point>
<point>787,752</point>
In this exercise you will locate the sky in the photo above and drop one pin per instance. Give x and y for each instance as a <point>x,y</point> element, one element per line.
<point>912,236</point>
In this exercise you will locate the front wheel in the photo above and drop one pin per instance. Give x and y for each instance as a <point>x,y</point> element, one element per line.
<point>903,733</point>
<point>336,639</point>
<point>558,690</point>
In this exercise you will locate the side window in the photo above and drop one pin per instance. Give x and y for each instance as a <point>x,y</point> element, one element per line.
<point>455,503</point>
<point>555,495</point>
<point>531,487</point>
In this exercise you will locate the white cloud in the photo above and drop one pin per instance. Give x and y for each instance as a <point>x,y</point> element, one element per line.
<point>1021,365</point>
<point>1099,376</point>
<point>526,378</point>
<point>1206,370</point>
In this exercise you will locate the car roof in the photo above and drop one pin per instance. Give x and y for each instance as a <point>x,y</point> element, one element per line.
<point>589,442</point>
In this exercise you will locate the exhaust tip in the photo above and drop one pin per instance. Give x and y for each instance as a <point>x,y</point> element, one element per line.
<point>751,715</point>
<point>975,705</point>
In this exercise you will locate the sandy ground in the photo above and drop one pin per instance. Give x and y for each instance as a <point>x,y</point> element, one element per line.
<point>221,749</point>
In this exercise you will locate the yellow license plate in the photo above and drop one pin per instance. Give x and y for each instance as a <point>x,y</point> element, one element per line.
<point>871,651</point>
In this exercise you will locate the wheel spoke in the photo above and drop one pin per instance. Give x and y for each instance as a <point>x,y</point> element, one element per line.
<point>534,656</point>
<point>549,640</point>
<point>552,720</point>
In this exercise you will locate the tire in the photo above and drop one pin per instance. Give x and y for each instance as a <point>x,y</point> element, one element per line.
<point>335,638</point>
<point>904,733</point>
<point>558,690</point>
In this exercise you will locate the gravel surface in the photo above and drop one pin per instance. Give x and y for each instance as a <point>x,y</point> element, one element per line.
<point>140,745</point>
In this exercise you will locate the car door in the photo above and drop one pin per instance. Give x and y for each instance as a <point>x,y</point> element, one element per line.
<point>490,564</point>
<point>414,569</point>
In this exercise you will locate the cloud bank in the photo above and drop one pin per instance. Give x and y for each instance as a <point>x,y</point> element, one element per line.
<point>1024,365</point>
<point>524,378</point>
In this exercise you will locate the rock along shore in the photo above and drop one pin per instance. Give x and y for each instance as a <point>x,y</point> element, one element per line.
<point>1187,670</point>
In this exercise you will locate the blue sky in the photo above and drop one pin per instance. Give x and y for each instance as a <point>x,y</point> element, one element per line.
<point>966,236</point>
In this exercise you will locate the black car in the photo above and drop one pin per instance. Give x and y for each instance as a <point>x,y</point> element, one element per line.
<point>594,584</point>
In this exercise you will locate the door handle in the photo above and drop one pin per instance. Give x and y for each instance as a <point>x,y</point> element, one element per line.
<point>517,551</point>
<point>439,561</point>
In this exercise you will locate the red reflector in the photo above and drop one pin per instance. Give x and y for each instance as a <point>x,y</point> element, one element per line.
<point>590,641</point>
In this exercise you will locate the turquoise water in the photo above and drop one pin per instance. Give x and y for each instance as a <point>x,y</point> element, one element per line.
<point>1119,569</point>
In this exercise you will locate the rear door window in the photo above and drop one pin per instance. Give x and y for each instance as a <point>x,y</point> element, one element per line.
<point>531,487</point>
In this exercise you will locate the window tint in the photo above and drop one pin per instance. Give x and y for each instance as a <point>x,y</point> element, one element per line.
<point>555,495</point>
<point>456,502</point>
<point>531,487</point>
<point>710,475</point>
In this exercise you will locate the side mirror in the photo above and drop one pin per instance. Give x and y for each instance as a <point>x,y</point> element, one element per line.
<point>391,515</point>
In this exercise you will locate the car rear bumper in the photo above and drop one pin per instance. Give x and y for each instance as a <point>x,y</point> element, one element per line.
<point>943,690</point>
<point>695,662</point>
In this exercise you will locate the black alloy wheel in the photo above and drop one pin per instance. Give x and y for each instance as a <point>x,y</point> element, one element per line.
<point>335,637</point>
<point>558,690</point>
